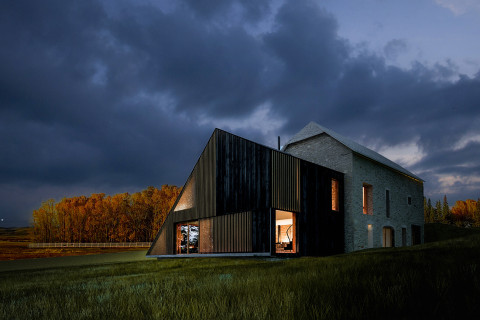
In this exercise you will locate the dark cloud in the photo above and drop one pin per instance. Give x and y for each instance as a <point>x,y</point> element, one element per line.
<point>249,10</point>
<point>115,96</point>
<point>394,48</point>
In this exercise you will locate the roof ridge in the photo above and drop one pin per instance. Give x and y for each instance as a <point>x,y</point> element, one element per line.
<point>313,129</point>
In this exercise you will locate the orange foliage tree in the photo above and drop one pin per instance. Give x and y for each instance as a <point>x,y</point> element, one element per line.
<point>466,212</point>
<point>99,218</point>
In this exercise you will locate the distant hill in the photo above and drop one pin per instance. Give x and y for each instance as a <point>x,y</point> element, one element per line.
<point>16,234</point>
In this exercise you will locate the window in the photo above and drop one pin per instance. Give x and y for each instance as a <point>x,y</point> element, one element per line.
<point>285,240</point>
<point>370,235</point>
<point>187,197</point>
<point>409,200</point>
<point>367,199</point>
<point>404,237</point>
<point>387,203</point>
<point>388,237</point>
<point>335,201</point>
<point>187,237</point>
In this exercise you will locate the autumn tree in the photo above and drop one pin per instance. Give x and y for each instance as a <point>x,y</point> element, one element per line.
<point>45,222</point>
<point>99,218</point>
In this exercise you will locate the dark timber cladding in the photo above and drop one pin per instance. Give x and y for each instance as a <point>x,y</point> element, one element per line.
<point>244,184</point>
<point>320,228</point>
<point>233,192</point>
<point>243,174</point>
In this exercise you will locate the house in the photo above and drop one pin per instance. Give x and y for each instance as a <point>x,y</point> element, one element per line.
<point>383,201</point>
<point>246,199</point>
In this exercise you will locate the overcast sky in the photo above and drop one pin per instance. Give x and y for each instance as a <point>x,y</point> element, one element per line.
<point>116,95</point>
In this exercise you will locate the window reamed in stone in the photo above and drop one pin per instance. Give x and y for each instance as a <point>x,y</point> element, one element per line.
<point>367,198</point>
<point>387,203</point>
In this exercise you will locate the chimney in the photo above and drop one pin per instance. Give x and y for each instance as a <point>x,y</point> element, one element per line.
<point>278,142</point>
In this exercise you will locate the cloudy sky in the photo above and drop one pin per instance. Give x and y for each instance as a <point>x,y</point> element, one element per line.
<point>116,95</point>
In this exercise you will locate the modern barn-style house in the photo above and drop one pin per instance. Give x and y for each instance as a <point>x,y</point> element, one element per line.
<point>322,194</point>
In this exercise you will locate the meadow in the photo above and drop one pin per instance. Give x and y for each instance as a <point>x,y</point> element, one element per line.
<point>439,279</point>
<point>14,245</point>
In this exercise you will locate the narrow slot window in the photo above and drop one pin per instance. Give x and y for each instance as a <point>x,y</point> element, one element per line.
<point>367,199</point>
<point>387,203</point>
<point>335,199</point>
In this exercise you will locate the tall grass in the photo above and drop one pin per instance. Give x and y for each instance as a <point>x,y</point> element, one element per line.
<point>436,280</point>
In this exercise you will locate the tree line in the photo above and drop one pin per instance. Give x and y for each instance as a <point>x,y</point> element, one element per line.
<point>123,217</point>
<point>463,213</point>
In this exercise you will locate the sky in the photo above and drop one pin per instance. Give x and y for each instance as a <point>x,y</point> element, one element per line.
<point>113,96</point>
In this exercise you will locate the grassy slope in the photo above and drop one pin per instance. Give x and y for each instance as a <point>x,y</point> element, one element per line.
<point>435,280</point>
<point>438,232</point>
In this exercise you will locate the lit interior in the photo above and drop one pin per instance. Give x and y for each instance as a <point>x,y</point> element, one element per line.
<point>335,201</point>
<point>187,237</point>
<point>285,232</point>
<point>187,198</point>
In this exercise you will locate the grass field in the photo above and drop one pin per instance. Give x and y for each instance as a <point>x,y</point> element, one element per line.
<point>435,280</point>
<point>14,245</point>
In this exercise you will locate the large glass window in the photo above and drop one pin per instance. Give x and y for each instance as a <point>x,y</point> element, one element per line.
<point>335,201</point>
<point>285,238</point>
<point>187,237</point>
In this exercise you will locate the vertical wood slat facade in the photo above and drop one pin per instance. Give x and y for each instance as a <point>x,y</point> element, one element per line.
<point>232,233</point>
<point>285,182</point>
<point>238,184</point>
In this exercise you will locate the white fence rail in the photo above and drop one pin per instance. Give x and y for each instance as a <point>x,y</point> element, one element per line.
<point>91,245</point>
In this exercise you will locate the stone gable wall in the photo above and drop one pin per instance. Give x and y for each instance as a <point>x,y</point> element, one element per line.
<point>328,152</point>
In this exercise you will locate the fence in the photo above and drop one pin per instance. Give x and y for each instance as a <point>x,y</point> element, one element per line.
<point>91,245</point>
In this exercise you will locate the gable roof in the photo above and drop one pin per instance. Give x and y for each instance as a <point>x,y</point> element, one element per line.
<point>314,129</point>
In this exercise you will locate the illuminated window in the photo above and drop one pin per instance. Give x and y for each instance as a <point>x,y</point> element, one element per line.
<point>370,235</point>
<point>367,199</point>
<point>187,237</point>
<point>285,239</point>
<point>335,203</point>
<point>187,197</point>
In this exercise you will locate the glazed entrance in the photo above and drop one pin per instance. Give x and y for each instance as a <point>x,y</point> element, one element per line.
<point>285,232</point>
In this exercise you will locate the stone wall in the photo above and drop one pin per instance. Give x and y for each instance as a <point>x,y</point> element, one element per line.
<point>402,214</point>
<point>328,152</point>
